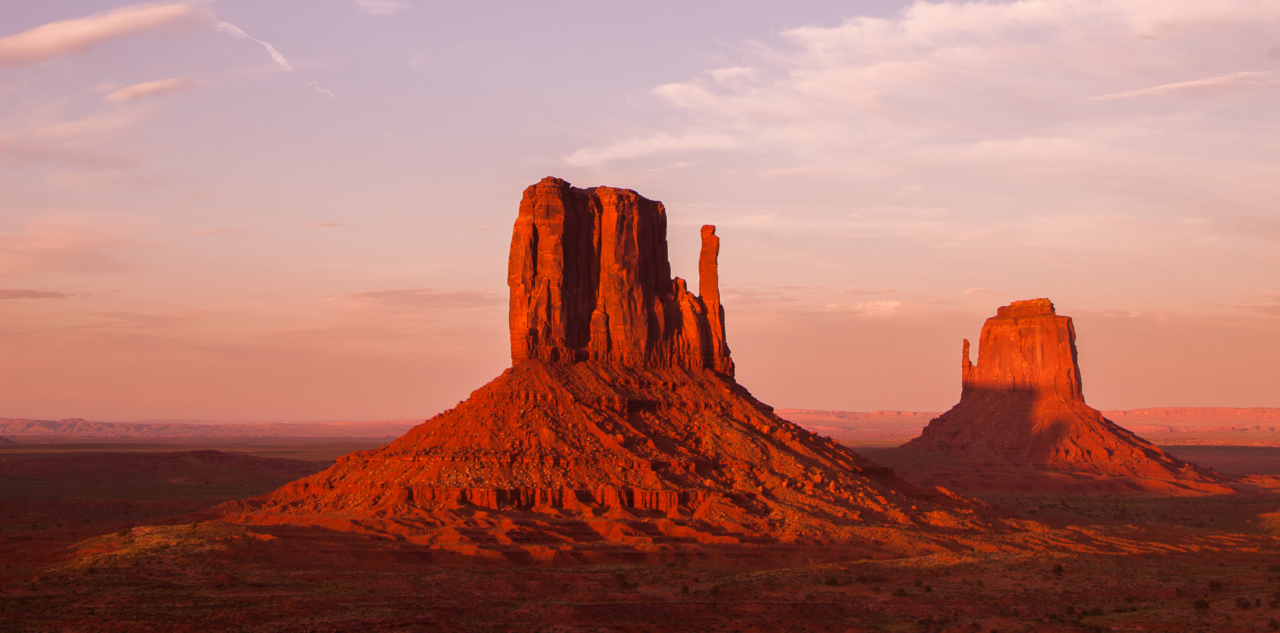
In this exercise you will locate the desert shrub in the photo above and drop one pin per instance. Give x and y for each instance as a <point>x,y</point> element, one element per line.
<point>684,589</point>
<point>1095,611</point>
<point>900,592</point>
<point>125,532</point>
<point>1069,610</point>
<point>1201,605</point>
<point>831,581</point>
<point>1273,625</point>
<point>1057,569</point>
<point>918,582</point>
<point>862,578</point>
<point>1215,586</point>
<point>928,588</point>
<point>1274,569</point>
<point>1244,603</point>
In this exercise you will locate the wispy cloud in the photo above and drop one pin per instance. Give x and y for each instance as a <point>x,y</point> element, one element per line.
<point>326,225</point>
<point>151,89</point>
<point>236,32</point>
<point>80,34</point>
<point>656,144</point>
<point>382,7</point>
<point>150,321</point>
<point>22,293</point>
<point>216,232</point>
<point>1233,80</point>
<point>276,56</point>
<point>421,299</point>
<point>869,308</point>
<point>60,244</point>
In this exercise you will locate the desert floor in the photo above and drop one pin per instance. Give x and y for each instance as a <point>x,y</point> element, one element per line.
<point>101,537</point>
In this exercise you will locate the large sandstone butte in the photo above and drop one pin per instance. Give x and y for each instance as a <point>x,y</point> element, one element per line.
<point>1022,404</point>
<point>618,426</point>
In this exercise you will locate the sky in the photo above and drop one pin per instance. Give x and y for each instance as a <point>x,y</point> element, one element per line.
<point>301,210</point>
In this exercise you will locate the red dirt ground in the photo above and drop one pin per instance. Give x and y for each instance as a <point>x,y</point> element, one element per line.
<point>1129,562</point>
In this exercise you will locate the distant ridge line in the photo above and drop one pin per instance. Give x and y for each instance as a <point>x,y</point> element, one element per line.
<point>835,423</point>
<point>79,427</point>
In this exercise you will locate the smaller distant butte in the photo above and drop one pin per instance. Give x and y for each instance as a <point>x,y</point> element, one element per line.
<point>1022,406</point>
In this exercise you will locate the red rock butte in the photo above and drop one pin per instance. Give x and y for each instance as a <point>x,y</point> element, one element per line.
<point>590,280</point>
<point>1022,403</point>
<point>618,426</point>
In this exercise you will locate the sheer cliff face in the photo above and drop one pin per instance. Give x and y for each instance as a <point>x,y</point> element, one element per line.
<point>1025,347</point>
<point>590,280</point>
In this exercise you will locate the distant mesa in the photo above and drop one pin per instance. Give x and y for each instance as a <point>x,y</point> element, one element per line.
<point>619,425</point>
<point>5,440</point>
<point>1023,404</point>
<point>60,430</point>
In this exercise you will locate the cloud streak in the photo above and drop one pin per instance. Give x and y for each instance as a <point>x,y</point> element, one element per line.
<point>65,37</point>
<point>420,299</point>
<point>234,31</point>
<point>23,293</point>
<point>151,89</point>
<point>382,7</point>
<point>60,245</point>
<point>1233,80</point>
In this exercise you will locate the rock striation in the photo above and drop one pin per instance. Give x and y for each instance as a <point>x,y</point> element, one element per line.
<point>590,280</point>
<point>618,426</point>
<point>1022,403</point>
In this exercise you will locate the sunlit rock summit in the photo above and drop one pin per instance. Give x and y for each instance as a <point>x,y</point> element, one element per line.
<point>618,425</point>
<point>1022,403</point>
<point>590,280</point>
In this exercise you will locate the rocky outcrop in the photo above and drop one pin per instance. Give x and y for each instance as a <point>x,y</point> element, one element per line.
<point>1025,347</point>
<point>590,280</point>
<point>619,424</point>
<point>1023,403</point>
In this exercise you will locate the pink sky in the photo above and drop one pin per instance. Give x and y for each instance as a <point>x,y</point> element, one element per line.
<point>301,210</point>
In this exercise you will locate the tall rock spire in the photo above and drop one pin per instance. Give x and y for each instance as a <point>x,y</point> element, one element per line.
<point>590,279</point>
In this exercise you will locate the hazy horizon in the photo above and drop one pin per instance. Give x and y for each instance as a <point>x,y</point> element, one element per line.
<point>236,210</point>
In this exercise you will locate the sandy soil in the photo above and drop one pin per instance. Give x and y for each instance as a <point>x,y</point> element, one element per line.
<point>79,557</point>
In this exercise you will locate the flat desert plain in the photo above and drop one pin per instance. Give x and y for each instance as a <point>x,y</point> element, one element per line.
<point>117,536</point>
